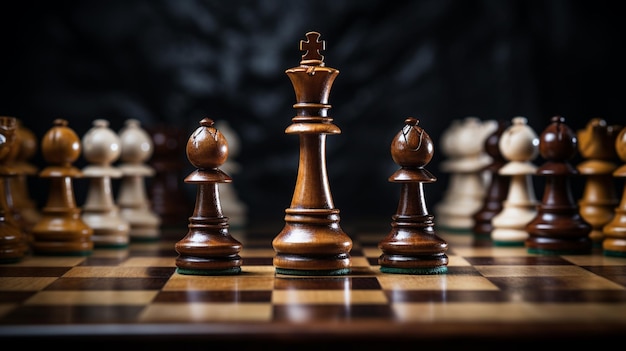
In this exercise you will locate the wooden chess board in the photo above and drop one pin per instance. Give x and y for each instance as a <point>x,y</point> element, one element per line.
<point>490,293</point>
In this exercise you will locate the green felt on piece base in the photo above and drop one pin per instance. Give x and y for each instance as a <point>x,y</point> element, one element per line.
<point>421,271</point>
<point>557,252</point>
<point>613,253</point>
<point>508,243</point>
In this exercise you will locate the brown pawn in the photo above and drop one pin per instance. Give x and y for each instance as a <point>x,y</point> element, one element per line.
<point>22,201</point>
<point>12,239</point>
<point>208,248</point>
<point>61,230</point>
<point>558,227</point>
<point>166,194</point>
<point>614,243</point>
<point>596,144</point>
<point>412,246</point>
<point>498,186</point>
<point>312,241</point>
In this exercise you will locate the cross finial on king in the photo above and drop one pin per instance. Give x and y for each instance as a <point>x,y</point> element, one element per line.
<point>312,46</point>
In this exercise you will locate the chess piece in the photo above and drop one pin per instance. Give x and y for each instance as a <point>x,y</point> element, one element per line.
<point>464,145</point>
<point>13,244</point>
<point>101,148</point>
<point>312,241</point>
<point>208,248</point>
<point>166,193</point>
<point>61,230</point>
<point>22,201</point>
<point>558,227</point>
<point>232,206</point>
<point>596,144</point>
<point>412,246</point>
<point>132,198</point>
<point>498,185</point>
<point>614,243</point>
<point>519,146</point>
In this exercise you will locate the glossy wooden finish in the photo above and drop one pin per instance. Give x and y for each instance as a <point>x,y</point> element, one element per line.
<point>412,246</point>
<point>166,190</point>
<point>208,248</point>
<point>101,149</point>
<point>558,226</point>
<point>614,243</point>
<point>132,197</point>
<point>23,203</point>
<point>312,240</point>
<point>13,244</point>
<point>498,186</point>
<point>61,230</point>
<point>519,146</point>
<point>596,144</point>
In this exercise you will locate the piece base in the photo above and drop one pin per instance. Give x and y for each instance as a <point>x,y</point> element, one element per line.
<point>111,246</point>
<point>227,271</point>
<point>508,243</point>
<point>144,239</point>
<point>420,271</point>
<point>613,253</point>
<point>539,251</point>
<point>455,230</point>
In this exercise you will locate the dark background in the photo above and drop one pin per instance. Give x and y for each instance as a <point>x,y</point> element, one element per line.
<point>175,62</point>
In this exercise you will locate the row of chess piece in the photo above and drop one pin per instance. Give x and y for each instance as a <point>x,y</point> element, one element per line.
<point>491,189</point>
<point>62,227</point>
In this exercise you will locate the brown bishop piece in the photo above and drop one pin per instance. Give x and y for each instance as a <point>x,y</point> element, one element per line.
<point>614,243</point>
<point>558,227</point>
<point>412,246</point>
<point>12,238</point>
<point>498,186</point>
<point>596,144</point>
<point>208,248</point>
<point>312,241</point>
<point>61,230</point>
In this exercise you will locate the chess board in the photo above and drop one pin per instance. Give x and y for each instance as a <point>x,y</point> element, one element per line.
<point>490,293</point>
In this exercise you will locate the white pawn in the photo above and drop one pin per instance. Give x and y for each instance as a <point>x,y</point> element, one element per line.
<point>132,197</point>
<point>463,143</point>
<point>101,148</point>
<point>232,206</point>
<point>519,145</point>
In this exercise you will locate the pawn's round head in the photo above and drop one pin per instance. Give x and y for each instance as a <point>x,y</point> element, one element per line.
<point>412,146</point>
<point>60,145</point>
<point>136,144</point>
<point>558,142</point>
<point>28,142</point>
<point>519,142</point>
<point>207,147</point>
<point>101,145</point>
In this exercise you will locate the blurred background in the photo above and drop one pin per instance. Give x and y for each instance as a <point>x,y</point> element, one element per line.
<point>171,63</point>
